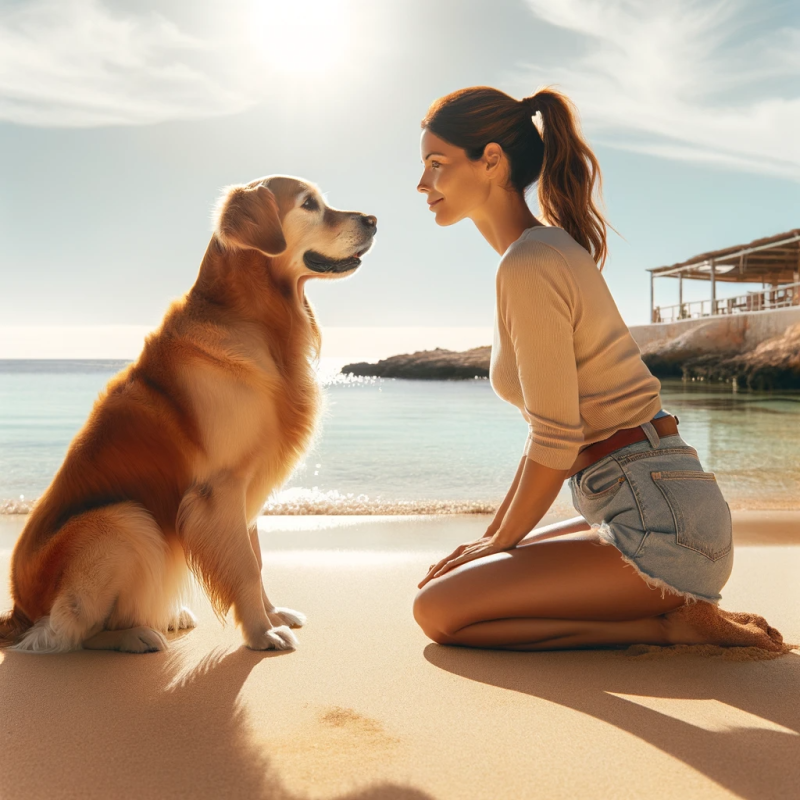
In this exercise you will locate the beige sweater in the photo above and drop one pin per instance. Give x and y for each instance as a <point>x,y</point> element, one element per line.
<point>561,352</point>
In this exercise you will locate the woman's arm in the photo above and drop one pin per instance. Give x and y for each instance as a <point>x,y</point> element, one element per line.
<point>561,528</point>
<point>536,488</point>
<point>500,514</point>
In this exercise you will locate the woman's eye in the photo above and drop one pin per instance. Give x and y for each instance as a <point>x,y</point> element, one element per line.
<point>310,204</point>
<point>435,165</point>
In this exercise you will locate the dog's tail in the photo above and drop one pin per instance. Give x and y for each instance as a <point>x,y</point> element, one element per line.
<point>12,625</point>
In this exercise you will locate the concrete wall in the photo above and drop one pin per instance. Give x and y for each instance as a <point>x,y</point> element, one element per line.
<point>742,331</point>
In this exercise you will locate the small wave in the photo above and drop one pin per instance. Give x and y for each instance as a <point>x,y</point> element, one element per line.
<point>341,379</point>
<point>291,502</point>
<point>299,501</point>
<point>20,506</point>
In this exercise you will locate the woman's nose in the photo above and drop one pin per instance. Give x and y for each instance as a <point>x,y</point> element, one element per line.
<point>421,187</point>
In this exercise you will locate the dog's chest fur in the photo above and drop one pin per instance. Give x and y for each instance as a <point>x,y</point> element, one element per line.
<point>256,414</point>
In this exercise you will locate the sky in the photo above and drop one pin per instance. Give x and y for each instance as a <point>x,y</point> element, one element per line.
<point>121,123</point>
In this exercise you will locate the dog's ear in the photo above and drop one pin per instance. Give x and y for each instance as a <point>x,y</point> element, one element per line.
<point>248,218</point>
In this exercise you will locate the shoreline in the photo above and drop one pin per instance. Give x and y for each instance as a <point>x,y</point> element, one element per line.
<point>419,508</point>
<point>751,527</point>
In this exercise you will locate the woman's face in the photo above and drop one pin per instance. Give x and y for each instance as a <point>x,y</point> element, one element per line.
<point>455,187</point>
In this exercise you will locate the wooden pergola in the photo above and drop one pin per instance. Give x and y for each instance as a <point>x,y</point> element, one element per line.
<point>773,262</point>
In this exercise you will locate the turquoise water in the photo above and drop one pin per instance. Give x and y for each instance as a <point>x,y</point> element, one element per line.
<point>390,446</point>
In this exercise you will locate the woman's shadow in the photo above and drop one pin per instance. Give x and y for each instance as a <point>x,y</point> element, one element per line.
<point>108,725</point>
<point>751,762</point>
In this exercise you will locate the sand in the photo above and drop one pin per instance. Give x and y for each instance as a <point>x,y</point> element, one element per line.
<point>368,708</point>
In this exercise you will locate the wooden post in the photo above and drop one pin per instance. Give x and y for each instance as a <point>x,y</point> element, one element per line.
<point>652,300</point>
<point>713,287</point>
<point>680,295</point>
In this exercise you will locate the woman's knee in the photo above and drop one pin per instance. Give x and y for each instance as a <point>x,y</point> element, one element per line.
<point>430,612</point>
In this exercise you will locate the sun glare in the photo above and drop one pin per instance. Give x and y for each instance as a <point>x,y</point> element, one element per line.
<point>307,37</point>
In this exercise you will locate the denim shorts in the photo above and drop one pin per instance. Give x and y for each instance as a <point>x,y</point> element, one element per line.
<point>667,517</point>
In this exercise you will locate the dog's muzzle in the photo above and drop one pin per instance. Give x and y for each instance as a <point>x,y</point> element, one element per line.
<point>317,262</point>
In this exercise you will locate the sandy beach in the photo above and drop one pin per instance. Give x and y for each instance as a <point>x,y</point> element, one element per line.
<point>367,707</point>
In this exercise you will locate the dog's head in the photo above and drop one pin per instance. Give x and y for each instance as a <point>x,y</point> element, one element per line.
<point>288,219</point>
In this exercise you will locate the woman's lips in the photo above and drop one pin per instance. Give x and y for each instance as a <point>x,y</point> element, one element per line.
<point>435,202</point>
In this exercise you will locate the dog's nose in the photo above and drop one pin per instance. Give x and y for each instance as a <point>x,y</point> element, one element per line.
<point>369,221</point>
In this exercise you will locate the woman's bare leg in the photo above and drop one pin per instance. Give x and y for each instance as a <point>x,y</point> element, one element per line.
<point>549,595</point>
<point>555,529</point>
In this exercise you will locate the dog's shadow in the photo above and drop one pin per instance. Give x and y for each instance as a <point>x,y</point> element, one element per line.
<point>137,727</point>
<point>755,759</point>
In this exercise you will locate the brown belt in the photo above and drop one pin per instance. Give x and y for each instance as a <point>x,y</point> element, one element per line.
<point>665,426</point>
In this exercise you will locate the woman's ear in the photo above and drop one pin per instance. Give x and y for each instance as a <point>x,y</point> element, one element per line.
<point>494,160</point>
<point>248,218</point>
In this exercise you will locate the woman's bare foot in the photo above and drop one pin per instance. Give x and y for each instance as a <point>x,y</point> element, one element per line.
<point>704,623</point>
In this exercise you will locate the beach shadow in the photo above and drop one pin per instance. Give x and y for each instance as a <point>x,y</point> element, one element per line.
<point>109,725</point>
<point>749,761</point>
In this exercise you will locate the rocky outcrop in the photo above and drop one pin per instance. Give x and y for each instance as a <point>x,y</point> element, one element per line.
<point>667,359</point>
<point>772,365</point>
<point>702,353</point>
<point>429,365</point>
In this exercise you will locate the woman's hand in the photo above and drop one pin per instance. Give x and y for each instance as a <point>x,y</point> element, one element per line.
<point>485,546</point>
<point>532,493</point>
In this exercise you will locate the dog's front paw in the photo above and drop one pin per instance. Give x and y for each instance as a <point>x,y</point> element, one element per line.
<point>280,638</point>
<point>285,616</point>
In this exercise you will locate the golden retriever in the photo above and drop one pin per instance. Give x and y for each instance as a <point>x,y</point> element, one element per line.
<point>183,447</point>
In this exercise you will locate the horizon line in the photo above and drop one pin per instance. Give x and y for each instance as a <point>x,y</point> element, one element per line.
<point>125,342</point>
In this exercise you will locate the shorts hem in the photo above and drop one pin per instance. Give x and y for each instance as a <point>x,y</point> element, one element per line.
<point>606,537</point>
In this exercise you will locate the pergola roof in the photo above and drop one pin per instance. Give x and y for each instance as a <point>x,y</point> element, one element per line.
<point>775,259</point>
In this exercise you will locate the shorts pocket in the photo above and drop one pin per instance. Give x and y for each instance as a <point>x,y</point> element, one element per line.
<point>701,515</point>
<point>596,491</point>
<point>601,480</point>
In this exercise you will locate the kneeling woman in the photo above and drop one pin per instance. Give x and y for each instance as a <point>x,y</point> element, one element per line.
<point>655,531</point>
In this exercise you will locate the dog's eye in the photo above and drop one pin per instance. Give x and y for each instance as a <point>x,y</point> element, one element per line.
<point>310,204</point>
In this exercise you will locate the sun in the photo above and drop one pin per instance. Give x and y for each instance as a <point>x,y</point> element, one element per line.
<point>307,37</point>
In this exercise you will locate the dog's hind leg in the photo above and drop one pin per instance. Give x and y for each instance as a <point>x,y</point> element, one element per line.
<point>114,591</point>
<point>213,531</point>
<point>277,616</point>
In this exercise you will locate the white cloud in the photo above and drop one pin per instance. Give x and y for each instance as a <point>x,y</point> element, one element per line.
<point>682,80</point>
<point>75,63</point>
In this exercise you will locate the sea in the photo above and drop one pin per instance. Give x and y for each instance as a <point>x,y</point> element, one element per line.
<point>388,446</point>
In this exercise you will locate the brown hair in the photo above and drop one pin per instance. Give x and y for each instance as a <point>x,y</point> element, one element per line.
<point>559,158</point>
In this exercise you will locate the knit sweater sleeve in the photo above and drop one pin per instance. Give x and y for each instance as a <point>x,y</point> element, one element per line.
<point>537,298</point>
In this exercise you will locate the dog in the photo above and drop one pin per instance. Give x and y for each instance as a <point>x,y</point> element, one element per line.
<point>182,449</point>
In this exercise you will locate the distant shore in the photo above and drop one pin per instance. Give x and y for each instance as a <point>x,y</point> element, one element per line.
<point>431,365</point>
<point>772,365</point>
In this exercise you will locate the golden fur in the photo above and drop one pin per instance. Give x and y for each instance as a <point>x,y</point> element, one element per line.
<point>183,447</point>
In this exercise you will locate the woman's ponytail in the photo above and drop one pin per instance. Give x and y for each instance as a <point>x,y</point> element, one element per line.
<point>570,179</point>
<point>558,157</point>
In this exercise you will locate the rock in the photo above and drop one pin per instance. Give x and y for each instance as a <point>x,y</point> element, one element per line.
<point>702,353</point>
<point>430,365</point>
<point>772,365</point>
<point>668,359</point>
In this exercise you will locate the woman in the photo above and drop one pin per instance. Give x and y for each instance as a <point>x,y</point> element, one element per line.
<point>564,357</point>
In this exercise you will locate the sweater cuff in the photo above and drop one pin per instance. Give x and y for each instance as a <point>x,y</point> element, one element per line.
<point>561,457</point>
